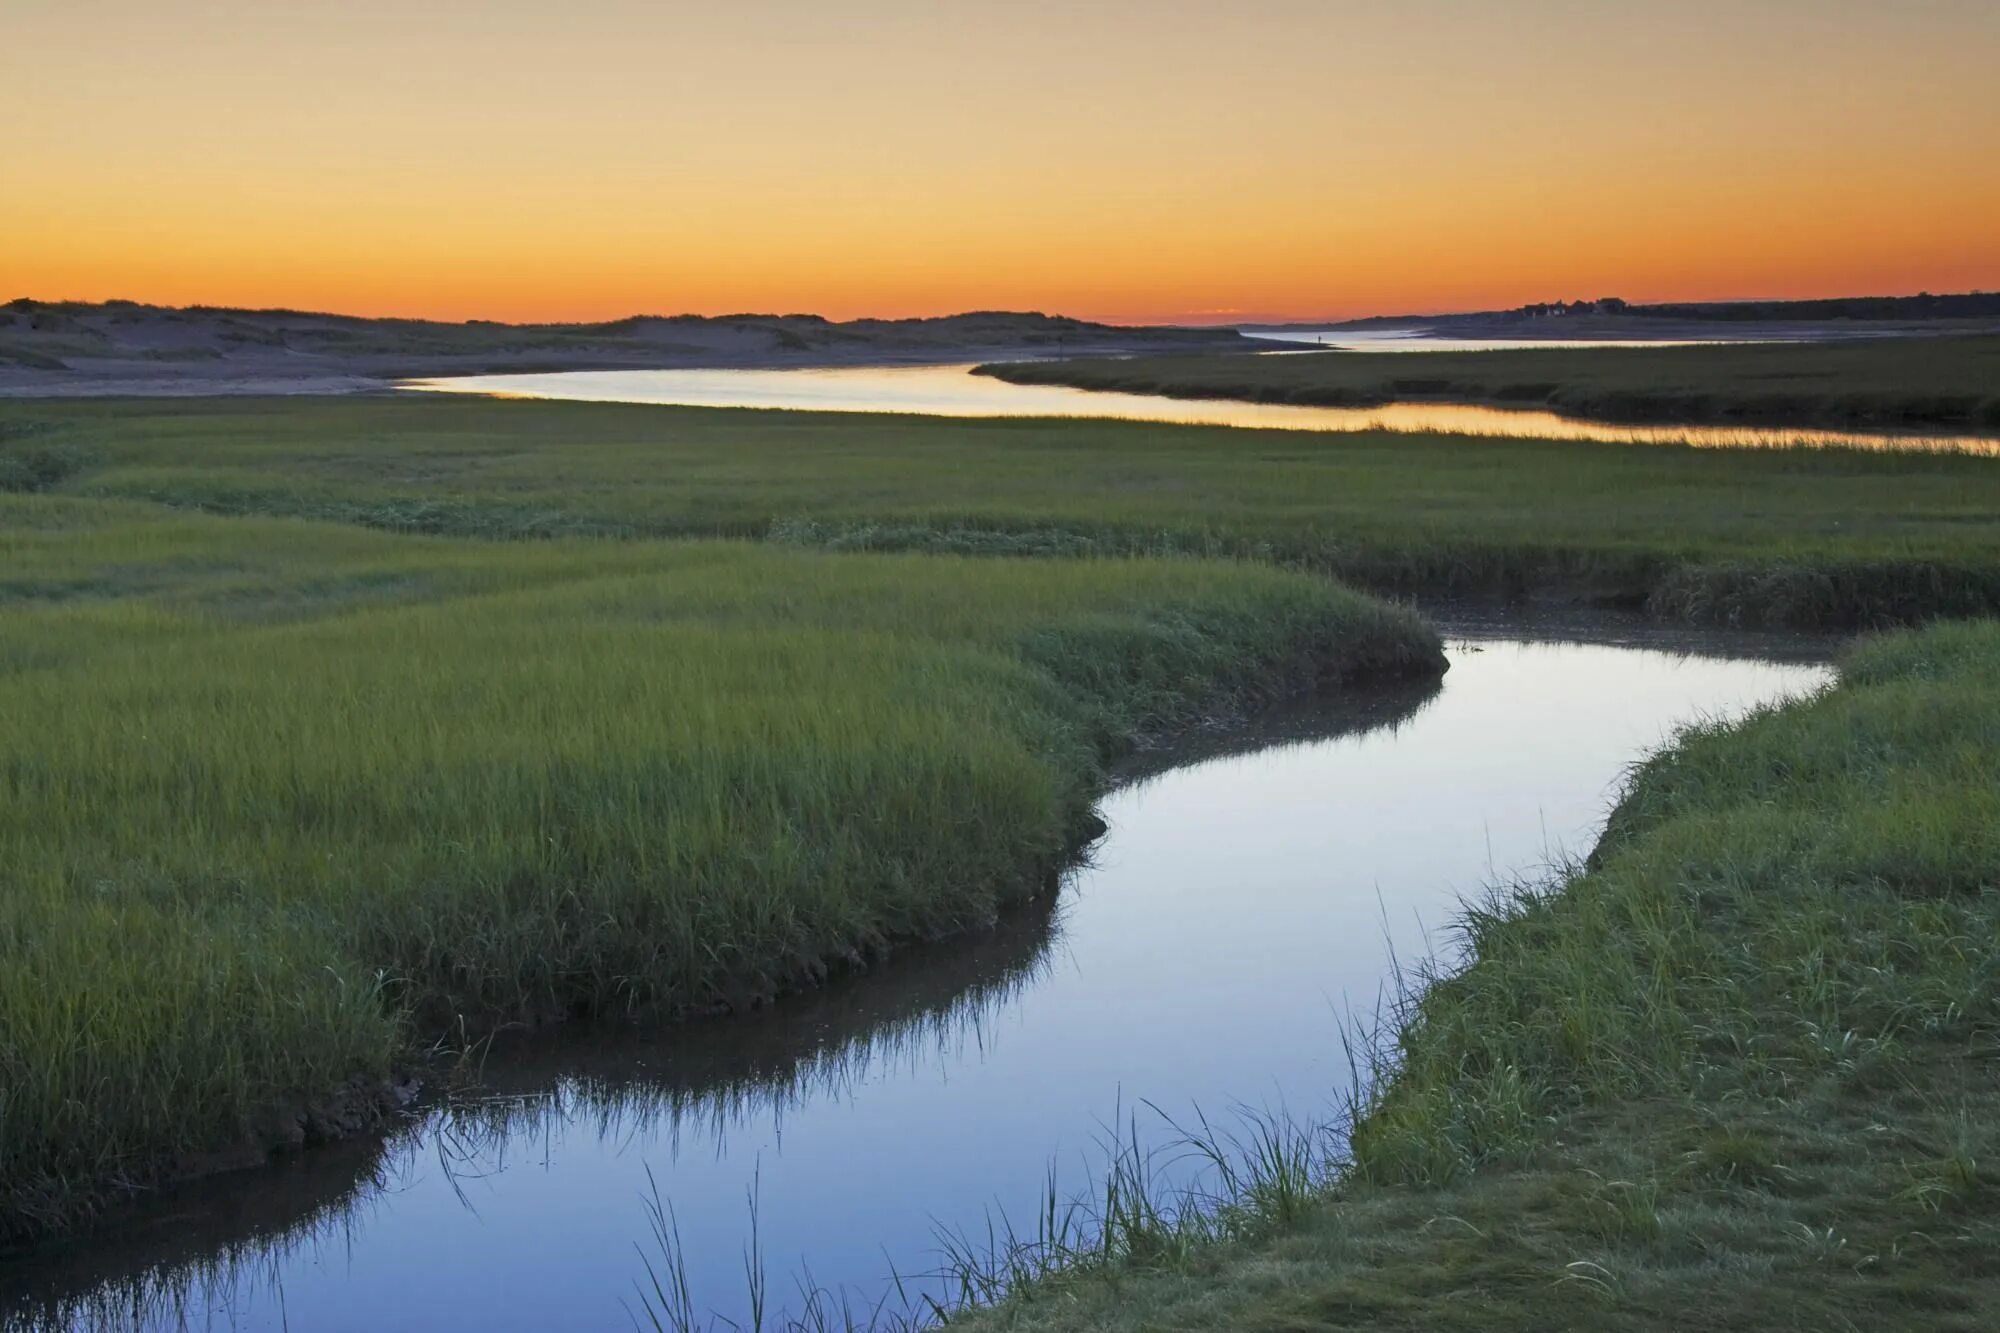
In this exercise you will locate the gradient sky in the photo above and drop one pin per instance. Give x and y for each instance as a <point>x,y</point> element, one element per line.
<point>524,159</point>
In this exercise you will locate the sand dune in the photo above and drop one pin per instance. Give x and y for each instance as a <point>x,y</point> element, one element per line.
<point>74,349</point>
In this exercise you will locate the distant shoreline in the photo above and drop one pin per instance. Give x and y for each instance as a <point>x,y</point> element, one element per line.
<point>1762,320</point>
<point>66,350</point>
<point>119,349</point>
<point>1620,328</point>
<point>135,380</point>
<point>1834,384</point>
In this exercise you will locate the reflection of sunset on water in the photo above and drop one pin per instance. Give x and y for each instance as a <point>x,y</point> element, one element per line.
<point>953,391</point>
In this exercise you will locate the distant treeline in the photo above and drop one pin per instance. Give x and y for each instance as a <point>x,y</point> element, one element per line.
<point>1922,306</point>
<point>1965,305</point>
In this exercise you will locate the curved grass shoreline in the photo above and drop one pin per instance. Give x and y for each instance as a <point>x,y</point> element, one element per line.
<point>1736,1072</point>
<point>1949,381</point>
<point>282,798</point>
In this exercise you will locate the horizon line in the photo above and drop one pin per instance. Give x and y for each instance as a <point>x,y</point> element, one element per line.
<point>1191,319</point>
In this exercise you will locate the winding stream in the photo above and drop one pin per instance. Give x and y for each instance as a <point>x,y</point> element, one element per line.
<point>953,391</point>
<point>1244,902</point>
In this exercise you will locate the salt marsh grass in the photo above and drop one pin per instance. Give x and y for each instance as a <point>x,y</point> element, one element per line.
<point>277,796</point>
<point>305,755</point>
<point>1815,538</point>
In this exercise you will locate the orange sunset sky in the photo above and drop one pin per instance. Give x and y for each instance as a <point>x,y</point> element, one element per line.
<point>1103,158</point>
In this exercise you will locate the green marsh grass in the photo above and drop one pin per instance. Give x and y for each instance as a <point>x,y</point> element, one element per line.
<point>300,762</point>
<point>1825,538</point>
<point>277,796</point>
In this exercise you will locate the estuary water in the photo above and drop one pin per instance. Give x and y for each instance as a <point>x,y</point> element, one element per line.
<point>1255,892</point>
<point>954,391</point>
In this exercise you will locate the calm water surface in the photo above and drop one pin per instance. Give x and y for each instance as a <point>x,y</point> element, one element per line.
<point>953,391</point>
<point>1242,904</point>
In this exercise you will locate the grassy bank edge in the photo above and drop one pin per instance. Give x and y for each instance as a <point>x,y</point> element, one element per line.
<point>1552,380</point>
<point>1826,595</point>
<point>1118,701</point>
<point>1735,1071</point>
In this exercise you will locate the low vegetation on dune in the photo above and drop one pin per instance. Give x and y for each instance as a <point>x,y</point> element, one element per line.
<point>1912,381</point>
<point>1737,1072</point>
<point>1809,537</point>
<point>61,345</point>
<point>278,798</point>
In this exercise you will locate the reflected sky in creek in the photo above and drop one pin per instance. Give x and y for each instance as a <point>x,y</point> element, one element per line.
<point>1242,906</point>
